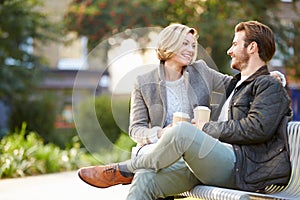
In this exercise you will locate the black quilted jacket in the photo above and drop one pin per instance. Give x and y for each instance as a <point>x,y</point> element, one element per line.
<point>258,116</point>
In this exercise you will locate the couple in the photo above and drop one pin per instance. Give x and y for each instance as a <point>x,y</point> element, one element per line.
<point>245,147</point>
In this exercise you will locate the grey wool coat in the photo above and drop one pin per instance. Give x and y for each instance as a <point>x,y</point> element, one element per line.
<point>149,99</point>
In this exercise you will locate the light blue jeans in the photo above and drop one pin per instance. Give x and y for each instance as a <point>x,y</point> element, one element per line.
<point>207,161</point>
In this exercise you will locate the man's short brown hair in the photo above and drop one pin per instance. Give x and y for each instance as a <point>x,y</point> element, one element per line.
<point>262,35</point>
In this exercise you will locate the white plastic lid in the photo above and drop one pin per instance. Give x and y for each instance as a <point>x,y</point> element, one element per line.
<point>181,115</point>
<point>201,108</point>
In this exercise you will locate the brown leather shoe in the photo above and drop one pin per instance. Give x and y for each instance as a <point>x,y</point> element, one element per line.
<point>103,176</point>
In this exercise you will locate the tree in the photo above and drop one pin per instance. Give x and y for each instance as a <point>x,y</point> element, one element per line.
<point>20,25</point>
<point>215,19</point>
<point>293,62</point>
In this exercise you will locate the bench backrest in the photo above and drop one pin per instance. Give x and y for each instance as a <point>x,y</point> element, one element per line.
<point>292,190</point>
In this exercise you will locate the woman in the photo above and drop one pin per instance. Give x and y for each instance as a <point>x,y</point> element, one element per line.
<point>179,84</point>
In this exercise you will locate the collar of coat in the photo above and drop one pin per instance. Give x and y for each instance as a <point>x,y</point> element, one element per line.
<point>261,71</point>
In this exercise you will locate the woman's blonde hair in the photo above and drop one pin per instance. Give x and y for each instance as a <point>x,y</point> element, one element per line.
<point>170,40</point>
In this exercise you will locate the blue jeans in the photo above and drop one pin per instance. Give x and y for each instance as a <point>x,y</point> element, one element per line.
<point>207,161</point>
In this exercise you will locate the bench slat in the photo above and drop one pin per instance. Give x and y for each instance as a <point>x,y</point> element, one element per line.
<point>215,193</point>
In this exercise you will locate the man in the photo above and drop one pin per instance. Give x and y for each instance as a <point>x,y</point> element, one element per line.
<point>246,149</point>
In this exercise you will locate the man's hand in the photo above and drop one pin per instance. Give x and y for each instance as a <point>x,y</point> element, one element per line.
<point>199,124</point>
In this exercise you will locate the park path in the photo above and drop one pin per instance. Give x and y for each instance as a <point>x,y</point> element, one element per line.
<point>57,186</point>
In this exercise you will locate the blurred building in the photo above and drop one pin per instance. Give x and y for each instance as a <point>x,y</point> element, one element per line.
<point>59,55</point>
<point>69,76</point>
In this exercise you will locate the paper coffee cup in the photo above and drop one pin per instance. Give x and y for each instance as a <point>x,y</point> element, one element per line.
<point>202,113</point>
<point>180,116</point>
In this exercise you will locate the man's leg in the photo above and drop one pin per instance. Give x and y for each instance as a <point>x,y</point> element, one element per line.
<point>211,161</point>
<point>148,184</point>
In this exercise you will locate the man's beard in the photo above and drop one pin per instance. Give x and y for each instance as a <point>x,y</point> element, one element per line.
<point>241,61</point>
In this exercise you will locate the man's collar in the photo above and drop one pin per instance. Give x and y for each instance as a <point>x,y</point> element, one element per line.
<point>261,71</point>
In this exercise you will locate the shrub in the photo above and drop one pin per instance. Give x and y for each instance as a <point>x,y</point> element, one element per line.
<point>96,123</point>
<point>120,152</point>
<point>39,113</point>
<point>26,154</point>
<point>63,137</point>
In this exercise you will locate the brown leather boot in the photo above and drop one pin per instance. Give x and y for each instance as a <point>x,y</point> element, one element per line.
<point>103,176</point>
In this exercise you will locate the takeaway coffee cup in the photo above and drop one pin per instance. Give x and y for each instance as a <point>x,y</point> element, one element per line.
<point>202,113</point>
<point>180,116</point>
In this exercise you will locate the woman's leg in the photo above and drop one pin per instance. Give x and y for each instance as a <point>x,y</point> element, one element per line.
<point>211,161</point>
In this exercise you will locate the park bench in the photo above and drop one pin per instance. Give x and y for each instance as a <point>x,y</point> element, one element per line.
<point>291,191</point>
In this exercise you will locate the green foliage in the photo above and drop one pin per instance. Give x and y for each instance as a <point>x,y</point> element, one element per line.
<point>85,17</point>
<point>125,142</point>
<point>215,20</point>
<point>120,152</point>
<point>293,63</point>
<point>102,123</point>
<point>97,123</point>
<point>23,154</point>
<point>62,137</point>
<point>17,81</point>
<point>106,119</point>
<point>38,112</point>
<point>21,23</point>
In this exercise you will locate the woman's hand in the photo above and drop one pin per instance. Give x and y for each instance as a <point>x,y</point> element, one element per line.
<point>161,132</point>
<point>279,76</point>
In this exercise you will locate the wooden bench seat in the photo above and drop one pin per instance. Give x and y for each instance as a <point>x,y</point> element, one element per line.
<point>291,191</point>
